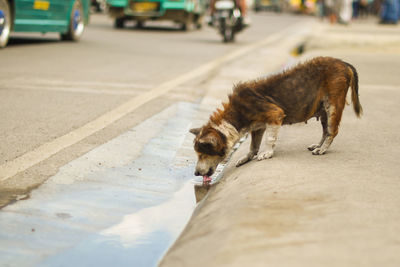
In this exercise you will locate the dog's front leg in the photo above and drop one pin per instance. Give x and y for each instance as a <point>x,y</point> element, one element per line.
<point>256,137</point>
<point>271,137</point>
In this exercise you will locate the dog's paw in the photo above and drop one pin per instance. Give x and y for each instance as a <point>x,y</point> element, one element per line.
<point>318,151</point>
<point>266,155</point>
<point>243,160</point>
<point>313,146</point>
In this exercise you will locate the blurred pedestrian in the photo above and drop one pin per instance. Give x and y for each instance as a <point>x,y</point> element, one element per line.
<point>332,10</point>
<point>346,11</point>
<point>321,9</point>
<point>356,8</point>
<point>390,12</point>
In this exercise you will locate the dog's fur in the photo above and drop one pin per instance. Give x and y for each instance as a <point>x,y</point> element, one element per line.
<point>316,88</point>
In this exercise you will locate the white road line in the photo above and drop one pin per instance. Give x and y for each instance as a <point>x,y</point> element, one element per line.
<point>64,83</point>
<point>31,158</point>
<point>78,90</point>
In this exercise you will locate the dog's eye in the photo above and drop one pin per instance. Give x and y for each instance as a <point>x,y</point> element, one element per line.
<point>206,147</point>
<point>209,149</point>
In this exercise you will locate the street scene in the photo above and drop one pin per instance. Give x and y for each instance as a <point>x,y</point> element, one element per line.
<point>97,164</point>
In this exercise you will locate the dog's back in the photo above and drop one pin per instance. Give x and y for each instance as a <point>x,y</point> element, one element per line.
<point>299,91</point>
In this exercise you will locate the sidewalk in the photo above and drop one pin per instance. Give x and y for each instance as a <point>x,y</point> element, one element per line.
<point>296,209</point>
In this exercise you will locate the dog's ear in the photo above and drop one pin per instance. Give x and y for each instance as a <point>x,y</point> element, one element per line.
<point>195,131</point>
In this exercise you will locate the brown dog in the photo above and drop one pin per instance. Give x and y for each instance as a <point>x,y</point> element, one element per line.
<point>316,88</point>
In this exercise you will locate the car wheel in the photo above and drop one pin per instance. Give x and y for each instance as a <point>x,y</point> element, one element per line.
<point>119,23</point>
<point>187,23</point>
<point>76,23</point>
<point>140,24</point>
<point>5,22</point>
<point>198,21</point>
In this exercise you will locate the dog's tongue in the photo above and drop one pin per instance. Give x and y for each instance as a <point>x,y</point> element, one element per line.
<point>206,179</point>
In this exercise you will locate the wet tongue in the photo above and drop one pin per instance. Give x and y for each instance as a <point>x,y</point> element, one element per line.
<point>206,179</point>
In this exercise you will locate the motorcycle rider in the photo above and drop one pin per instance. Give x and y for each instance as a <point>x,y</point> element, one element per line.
<point>243,9</point>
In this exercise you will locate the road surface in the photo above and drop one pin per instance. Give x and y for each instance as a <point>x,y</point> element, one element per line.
<point>50,89</point>
<point>100,129</point>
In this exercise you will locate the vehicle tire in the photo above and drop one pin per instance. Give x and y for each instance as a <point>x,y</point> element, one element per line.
<point>184,26</point>
<point>140,24</point>
<point>98,8</point>
<point>229,34</point>
<point>76,23</point>
<point>5,22</point>
<point>232,38</point>
<point>226,35</point>
<point>187,23</point>
<point>198,21</point>
<point>119,23</point>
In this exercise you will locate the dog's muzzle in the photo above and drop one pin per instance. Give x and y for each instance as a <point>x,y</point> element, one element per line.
<point>209,172</point>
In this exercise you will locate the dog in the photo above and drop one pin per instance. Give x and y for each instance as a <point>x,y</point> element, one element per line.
<point>315,88</point>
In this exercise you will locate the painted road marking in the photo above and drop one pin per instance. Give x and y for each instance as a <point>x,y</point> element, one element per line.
<point>31,158</point>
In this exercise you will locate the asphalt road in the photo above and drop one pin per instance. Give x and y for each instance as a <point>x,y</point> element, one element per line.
<point>50,89</point>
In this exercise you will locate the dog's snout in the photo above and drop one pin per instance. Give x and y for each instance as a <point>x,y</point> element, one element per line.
<point>209,172</point>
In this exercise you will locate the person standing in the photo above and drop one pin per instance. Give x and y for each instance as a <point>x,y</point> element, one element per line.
<point>390,12</point>
<point>346,11</point>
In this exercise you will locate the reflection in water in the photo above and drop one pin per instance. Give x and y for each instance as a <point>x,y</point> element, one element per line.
<point>169,217</point>
<point>140,239</point>
<point>121,204</point>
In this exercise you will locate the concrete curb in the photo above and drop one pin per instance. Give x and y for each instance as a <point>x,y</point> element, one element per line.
<point>301,210</point>
<point>218,89</point>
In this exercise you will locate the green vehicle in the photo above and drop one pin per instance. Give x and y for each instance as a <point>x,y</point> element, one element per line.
<point>184,12</point>
<point>67,17</point>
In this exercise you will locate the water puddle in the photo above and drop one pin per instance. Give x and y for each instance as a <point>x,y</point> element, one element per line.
<point>121,204</point>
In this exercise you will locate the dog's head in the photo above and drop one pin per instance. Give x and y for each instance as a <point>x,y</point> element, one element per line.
<point>211,148</point>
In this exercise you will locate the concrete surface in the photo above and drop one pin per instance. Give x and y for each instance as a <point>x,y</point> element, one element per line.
<point>296,209</point>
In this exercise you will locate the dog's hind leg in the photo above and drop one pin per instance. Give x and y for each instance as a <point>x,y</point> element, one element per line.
<point>324,123</point>
<point>334,114</point>
<point>256,137</point>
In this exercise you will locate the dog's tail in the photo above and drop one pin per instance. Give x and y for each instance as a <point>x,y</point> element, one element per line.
<point>354,91</point>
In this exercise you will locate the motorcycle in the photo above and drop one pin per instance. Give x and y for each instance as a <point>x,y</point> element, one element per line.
<point>228,19</point>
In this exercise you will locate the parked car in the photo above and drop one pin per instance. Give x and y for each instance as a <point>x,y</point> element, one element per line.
<point>184,12</point>
<point>67,17</point>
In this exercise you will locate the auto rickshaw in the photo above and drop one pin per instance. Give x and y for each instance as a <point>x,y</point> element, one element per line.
<point>67,17</point>
<point>184,12</point>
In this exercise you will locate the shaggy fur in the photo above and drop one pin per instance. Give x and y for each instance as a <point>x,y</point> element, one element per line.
<point>316,88</point>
